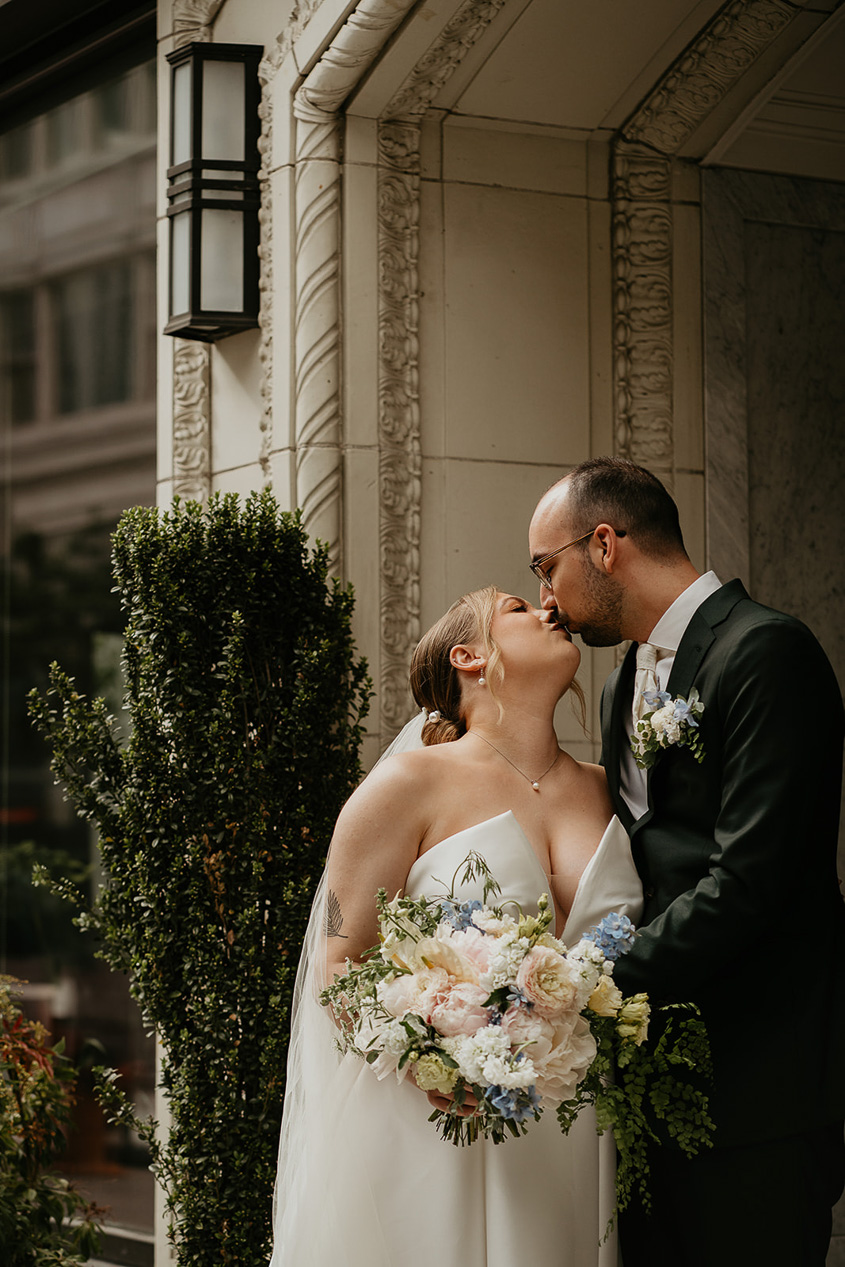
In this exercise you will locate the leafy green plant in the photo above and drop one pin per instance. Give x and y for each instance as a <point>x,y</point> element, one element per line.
<point>245,703</point>
<point>44,1221</point>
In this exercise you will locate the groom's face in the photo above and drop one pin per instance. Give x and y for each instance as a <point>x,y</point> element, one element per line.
<point>587,600</point>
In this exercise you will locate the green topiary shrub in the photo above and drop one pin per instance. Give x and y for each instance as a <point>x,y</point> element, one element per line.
<point>245,702</point>
<point>44,1222</point>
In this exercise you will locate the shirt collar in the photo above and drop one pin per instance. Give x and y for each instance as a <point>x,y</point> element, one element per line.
<point>672,625</point>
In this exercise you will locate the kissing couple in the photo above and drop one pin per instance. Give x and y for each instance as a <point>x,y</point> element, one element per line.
<point>711,822</point>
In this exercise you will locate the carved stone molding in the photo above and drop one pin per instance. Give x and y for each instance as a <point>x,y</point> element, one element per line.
<point>317,361</point>
<point>642,306</point>
<point>702,76</point>
<point>400,457</point>
<point>317,424</point>
<point>265,277</point>
<point>192,20</point>
<point>400,460</point>
<point>435,67</point>
<point>641,195</point>
<point>191,434</point>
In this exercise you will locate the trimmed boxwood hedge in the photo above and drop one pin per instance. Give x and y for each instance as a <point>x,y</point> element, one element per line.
<point>245,701</point>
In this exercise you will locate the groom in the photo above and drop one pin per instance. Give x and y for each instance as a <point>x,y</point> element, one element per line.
<point>737,855</point>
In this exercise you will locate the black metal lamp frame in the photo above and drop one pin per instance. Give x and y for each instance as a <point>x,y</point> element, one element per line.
<point>191,190</point>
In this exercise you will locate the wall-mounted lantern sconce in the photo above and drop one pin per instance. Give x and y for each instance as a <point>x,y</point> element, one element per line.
<point>212,190</point>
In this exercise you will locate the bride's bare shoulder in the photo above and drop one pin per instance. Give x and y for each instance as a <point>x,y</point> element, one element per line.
<point>401,782</point>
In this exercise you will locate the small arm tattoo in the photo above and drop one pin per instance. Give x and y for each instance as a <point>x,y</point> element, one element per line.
<point>334,919</point>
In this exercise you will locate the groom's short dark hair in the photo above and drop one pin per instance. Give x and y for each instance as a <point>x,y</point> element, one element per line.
<point>627,496</point>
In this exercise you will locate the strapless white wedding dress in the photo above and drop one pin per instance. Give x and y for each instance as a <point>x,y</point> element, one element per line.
<point>373,1185</point>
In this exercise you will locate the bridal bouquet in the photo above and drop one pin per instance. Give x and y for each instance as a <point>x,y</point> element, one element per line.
<point>471,997</point>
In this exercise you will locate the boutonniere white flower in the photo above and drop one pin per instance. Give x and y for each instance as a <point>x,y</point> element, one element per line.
<point>672,723</point>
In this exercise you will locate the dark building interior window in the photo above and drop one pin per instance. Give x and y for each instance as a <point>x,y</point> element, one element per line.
<point>77,416</point>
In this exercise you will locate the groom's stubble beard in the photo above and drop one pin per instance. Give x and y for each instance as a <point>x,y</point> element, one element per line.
<point>602,626</point>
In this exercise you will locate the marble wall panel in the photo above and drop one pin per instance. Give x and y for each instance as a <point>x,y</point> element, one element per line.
<point>774,280</point>
<point>795,322</point>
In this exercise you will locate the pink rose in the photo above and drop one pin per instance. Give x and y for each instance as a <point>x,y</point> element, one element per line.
<point>562,1064</point>
<point>476,947</point>
<point>460,1011</point>
<point>546,980</point>
<point>418,992</point>
<point>522,1026</point>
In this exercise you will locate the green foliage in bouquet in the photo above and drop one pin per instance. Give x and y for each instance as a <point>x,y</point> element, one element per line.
<point>647,1092</point>
<point>44,1221</point>
<point>244,702</point>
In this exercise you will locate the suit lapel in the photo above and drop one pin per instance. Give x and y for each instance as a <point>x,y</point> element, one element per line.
<point>696,642</point>
<point>699,637</point>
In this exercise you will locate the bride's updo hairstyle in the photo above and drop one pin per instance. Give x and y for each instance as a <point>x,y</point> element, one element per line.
<point>435,683</point>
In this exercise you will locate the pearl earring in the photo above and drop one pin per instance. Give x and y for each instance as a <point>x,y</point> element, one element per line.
<point>482,680</point>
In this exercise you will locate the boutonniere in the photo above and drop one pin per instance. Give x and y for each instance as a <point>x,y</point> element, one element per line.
<point>672,723</point>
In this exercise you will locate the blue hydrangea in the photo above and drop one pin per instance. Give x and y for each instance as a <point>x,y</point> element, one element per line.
<point>514,1102</point>
<point>682,712</point>
<point>656,699</point>
<point>516,998</point>
<point>459,914</point>
<point>613,936</point>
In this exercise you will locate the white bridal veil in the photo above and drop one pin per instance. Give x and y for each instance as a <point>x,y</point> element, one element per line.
<point>316,1093</point>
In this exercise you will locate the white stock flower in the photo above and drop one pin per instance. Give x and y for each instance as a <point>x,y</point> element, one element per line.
<point>485,1057</point>
<point>509,953</point>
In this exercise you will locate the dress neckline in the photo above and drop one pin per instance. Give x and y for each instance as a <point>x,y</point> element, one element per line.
<point>546,879</point>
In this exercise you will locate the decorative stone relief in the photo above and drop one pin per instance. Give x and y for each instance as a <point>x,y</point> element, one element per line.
<point>706,71</point>
<point>317,421</point>
<point>192,20</point>
<point>400,461</point>
<point>642,307</point>
<point>317,427</point>
<point>642,218</point>
<point>447,52</point>
<point>400,458</point>
<point>191,447</point>
<point>265,276</point>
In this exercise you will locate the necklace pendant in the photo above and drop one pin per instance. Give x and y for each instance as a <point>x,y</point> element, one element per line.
<point>536,787</point>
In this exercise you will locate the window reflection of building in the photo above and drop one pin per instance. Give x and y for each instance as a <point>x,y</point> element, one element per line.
<point>77,410</point>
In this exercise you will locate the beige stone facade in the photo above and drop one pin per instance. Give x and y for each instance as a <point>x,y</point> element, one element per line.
<point>484,258</point>
<point>501,236</point>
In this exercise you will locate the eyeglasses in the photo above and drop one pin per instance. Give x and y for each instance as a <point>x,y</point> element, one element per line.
<point>544,577</point>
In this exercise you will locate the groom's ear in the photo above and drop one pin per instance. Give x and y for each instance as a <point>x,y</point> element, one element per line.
<point>466,658</point>
<point>605,547</point>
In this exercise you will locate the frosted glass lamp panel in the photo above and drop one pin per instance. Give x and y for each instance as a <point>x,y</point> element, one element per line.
<point>180,261</point>
<point>223,111</point>
<point>222,268</point>
<point>181,107</point>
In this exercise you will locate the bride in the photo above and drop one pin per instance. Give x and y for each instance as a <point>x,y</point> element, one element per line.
<point>364,1179</point>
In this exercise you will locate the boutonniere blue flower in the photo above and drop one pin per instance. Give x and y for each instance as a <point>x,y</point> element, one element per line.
<point>672,723</point>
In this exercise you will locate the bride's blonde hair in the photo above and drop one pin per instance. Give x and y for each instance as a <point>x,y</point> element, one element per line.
<point>436,683</point>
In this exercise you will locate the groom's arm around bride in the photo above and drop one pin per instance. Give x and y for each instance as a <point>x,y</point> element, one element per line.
<point>737,853</point>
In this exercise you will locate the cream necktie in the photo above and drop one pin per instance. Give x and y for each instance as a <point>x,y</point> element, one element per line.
<point>646,677</point>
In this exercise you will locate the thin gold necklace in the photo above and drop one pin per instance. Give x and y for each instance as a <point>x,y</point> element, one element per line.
<point>535,783</point>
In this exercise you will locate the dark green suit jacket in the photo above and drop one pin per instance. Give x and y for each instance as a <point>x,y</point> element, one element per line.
<point>743,911</point>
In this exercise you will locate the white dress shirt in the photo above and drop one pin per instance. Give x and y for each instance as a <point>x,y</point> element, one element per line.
<point>667,635</point>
